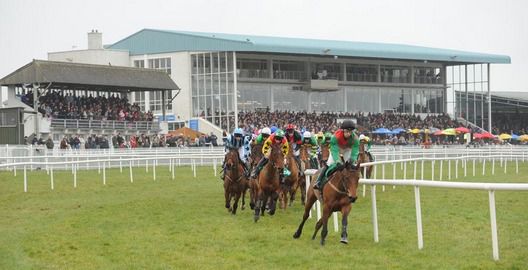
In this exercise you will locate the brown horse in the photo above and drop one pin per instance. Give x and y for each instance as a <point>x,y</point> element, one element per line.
<point>234,181</point>
<point>363,157</point>
<point>292,182</point>
<point>338,194</point>
<point>269,183</point>
<point>325,153</point>
<point>255,157</point>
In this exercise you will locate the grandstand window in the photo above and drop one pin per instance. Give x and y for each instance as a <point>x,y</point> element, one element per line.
<point>427,75</point>
<point>284,98</point>
<point>139,63</point>
<point>253,96</point>
<point>362,99</point>
<point>161,64</point>
<point>252,68</point>
<point>395,74</point>
<point>289,70</point>
<point>139,98</point>
<point>323,71</point>
<point>361,73</point>
<point>327,101</point>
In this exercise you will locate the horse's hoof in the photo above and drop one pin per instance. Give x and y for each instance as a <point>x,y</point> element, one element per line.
<point>344,240</point>
<point>227,206</point>
<point>322,242</point>
<point>255,218</point>
<point>296,235</point>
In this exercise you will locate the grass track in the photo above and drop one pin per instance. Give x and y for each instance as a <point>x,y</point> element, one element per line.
<point>172,224</point>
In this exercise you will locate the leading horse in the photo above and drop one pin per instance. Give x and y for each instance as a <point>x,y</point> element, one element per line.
<point>269,183</point>
<point>338,194</point>
<point>235,183</point>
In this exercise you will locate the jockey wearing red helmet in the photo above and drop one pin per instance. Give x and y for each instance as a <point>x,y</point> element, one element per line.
<point>295,140</point>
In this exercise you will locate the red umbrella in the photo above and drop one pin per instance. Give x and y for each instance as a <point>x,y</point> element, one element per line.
<point>438,133</point>
<point>487,135</point>
<point>462,130</point>
<point>477,136</point>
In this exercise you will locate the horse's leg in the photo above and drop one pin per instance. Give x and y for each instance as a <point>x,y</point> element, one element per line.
<point>303,191</point>
<point>252,194</point>
<point>244,189</point>
<point>317,227</point>
<point>258,204</point>
<point>235,204</point>
<point>345,210</point>
<point>227,197</point>
<point>307,208</point>
<point>264,198</point>
<point>274,197</point>
<point>327,211</point>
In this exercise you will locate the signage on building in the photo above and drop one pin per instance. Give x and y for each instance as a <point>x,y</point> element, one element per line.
<point>193,124</point>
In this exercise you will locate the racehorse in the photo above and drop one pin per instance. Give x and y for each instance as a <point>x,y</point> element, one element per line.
<point>364,157</point>
<point>234,181</point>
<point>292,181</point>
<point>269,183</point>
<point>325,153</point>
<point>338,194</point>
<point>255,157</point>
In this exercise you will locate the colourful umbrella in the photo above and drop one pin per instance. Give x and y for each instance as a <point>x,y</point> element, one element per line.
<point>477,136</point>
<point>524,138</point>
<point>415,131</point>
<point>449,131</point>
<point>487,135</point>
<point>505,136</point>
<point>462,130</point>
<point>438,133</point>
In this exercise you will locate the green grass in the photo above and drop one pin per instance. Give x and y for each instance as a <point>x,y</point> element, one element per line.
<point>182,223</point>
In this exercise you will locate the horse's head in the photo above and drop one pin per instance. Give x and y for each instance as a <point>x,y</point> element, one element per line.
<point>231,159</point>
<point>350,180</point>
<point>276,156</point>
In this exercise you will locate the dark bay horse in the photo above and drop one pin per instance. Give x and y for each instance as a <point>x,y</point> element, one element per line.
<point>363,157</point>
<point>235,183</point>
<point>338,194</point>
<point>269,183</point>
<point>292,182</point>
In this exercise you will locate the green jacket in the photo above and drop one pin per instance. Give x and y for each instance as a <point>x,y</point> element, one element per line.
<point>338,141</point>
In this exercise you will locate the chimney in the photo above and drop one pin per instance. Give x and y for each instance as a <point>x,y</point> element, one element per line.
<point>95,40</point>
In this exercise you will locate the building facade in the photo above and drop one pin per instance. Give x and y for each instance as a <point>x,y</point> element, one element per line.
<point>221,74</point>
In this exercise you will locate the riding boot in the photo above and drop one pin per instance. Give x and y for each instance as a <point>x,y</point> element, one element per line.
<point>246,170</point>
<point>259,167</point>
<point>320,178</point>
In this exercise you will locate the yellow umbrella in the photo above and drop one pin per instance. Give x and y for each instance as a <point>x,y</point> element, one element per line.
<point>449,131</point>
<point>415,131</point>
<point>505,136</point>
<point>524,138</point>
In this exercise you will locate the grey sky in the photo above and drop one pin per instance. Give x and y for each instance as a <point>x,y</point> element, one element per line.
<point>30,29</point>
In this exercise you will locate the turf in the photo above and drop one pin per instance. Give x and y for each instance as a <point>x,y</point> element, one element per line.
<point>182,223</point>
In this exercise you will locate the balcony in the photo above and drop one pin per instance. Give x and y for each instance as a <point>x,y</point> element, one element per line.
<point>105,125</point>
<point>322,85</point>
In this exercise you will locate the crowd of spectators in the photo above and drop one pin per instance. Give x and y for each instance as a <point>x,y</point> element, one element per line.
<point>56,104</point>
<point>327,121</point>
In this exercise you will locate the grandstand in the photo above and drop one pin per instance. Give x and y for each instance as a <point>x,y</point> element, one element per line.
<point>71,98</point>
<point>223,74</point>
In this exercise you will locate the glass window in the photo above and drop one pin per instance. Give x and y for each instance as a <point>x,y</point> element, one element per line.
<point>323,71</point>
<point>362,99</point>
<point>288,70</point>
<point>395,74</point>
<point>427,75</point>
<point>139,63</point>
<point>362,73</point>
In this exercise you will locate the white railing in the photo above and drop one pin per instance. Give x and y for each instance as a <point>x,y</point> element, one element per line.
<point>490,187</point>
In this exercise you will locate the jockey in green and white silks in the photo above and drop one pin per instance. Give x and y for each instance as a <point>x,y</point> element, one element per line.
<point>310,143</point>
<point>368,141</point>
<point>344,143</point>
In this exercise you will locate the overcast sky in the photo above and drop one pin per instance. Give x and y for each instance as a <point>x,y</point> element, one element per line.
<point>31,29</point>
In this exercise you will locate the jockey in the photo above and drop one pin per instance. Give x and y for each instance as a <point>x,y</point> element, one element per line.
<point>311,142</point>
<point>273,129</point>
<point>276,138</point>
<point>366,139</point>
<point>238,141</point>
<point>319,138</point>
<point>295,140</point>
<point>263,135</point>
<point>344,142</point>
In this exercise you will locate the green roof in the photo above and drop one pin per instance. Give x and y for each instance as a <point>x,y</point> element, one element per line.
<point>151,41</point>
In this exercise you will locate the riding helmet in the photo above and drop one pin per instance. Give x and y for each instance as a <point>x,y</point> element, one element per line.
<point>348,124</point>
<point>265,131</point>
<point>279,134</point>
